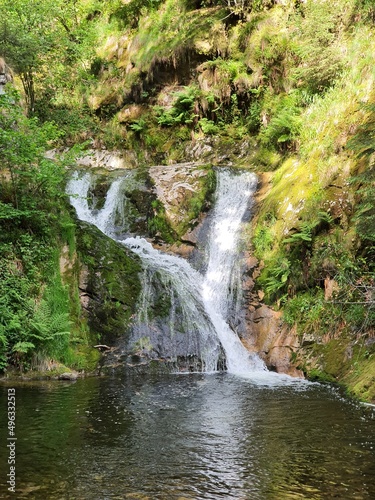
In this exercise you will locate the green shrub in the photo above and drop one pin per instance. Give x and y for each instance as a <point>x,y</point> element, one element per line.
<point>208,126</point>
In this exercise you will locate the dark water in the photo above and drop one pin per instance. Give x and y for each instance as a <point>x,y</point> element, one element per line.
<point>188,437</point>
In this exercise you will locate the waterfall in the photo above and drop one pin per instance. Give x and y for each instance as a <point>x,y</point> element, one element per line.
<point>198,305</point>
<point>233,193</point>
<point>104,219</point>
<point>190,326</point>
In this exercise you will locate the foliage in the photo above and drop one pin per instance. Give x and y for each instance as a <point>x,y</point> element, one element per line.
<point>208,126</point>
<point>34,305</point>
<point>306,311</point>
<point>263,237</point>
<point>307,229</point>
<point>182,111</point>
<point>129,14</point>
<point>365,209</point>
<point>275,280</point>
<point>365,8</point>
<point>284,123</point>
<point>28,322</point>
<point>318,24</point>
<point>363,144</point>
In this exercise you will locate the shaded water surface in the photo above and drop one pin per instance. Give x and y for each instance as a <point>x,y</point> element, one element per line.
<point>189,437</point>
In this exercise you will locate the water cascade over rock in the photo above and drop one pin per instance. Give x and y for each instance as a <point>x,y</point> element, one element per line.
<point>182,315</point>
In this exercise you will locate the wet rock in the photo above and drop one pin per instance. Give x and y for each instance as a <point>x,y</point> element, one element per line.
<point>68,376</point>
<point>175,187</point>
<point>109,283</point>
<point>191,236</point>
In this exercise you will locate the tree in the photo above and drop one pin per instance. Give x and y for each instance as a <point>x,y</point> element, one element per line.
<point>38,37</point>
<point>23,142</point>
<point>27,34</point>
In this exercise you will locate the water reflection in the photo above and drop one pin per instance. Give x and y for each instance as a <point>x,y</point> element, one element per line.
<point>190,437</point>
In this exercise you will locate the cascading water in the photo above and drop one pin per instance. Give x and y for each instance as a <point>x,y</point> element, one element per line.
<point>198,306</point>
<point>188,329</point>
<point>78,187</point>
<point>233,194</point>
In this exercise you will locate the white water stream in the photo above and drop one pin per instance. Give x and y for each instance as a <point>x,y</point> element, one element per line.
<point>233,194</point>
<point>201,302</point>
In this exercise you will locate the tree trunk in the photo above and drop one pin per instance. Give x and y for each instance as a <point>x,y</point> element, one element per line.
<point>28,85</point>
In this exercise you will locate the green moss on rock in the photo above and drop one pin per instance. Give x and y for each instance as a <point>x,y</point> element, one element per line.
<point>112,284</point>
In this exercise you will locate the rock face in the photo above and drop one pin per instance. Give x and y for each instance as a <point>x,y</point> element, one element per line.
<point>109,160</point>
<point>262,329</point>
<point>178,187</point>
<point>218,152</point>
<point>273,341</point>
<point>109,283</point>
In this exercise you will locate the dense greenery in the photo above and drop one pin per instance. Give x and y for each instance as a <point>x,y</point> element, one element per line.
<point>34,303</point>
<point>273,85</point>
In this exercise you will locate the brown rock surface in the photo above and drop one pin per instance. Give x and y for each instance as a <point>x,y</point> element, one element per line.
<point>274,342</point>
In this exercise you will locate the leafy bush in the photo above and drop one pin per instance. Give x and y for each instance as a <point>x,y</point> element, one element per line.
<point>208,126</point>
<point>34,306</point>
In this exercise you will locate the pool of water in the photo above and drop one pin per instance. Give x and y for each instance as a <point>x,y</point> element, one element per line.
<point>188,437</point>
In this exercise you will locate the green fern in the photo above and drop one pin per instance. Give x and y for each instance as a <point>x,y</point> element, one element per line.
<point>23,347</point>
<point>307,229</point>
<point>278,276</point>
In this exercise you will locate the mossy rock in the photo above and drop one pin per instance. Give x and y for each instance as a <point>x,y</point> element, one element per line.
<point>112,284</point>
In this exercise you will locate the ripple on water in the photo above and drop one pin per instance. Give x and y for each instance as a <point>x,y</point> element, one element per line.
<point>193,437</point>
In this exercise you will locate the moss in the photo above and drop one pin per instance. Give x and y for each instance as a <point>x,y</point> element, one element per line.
<point>162,306</point>
<point>113,284</point>
<point>348,363</point>
<point>159,225</point>
<point>361,382</point>
<point>316,375</point>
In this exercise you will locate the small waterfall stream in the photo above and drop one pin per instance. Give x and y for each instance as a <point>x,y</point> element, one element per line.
<point>198,304</point>
<point>233,193</point>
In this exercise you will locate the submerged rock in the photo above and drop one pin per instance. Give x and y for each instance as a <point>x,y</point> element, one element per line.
<point>68,376</point>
